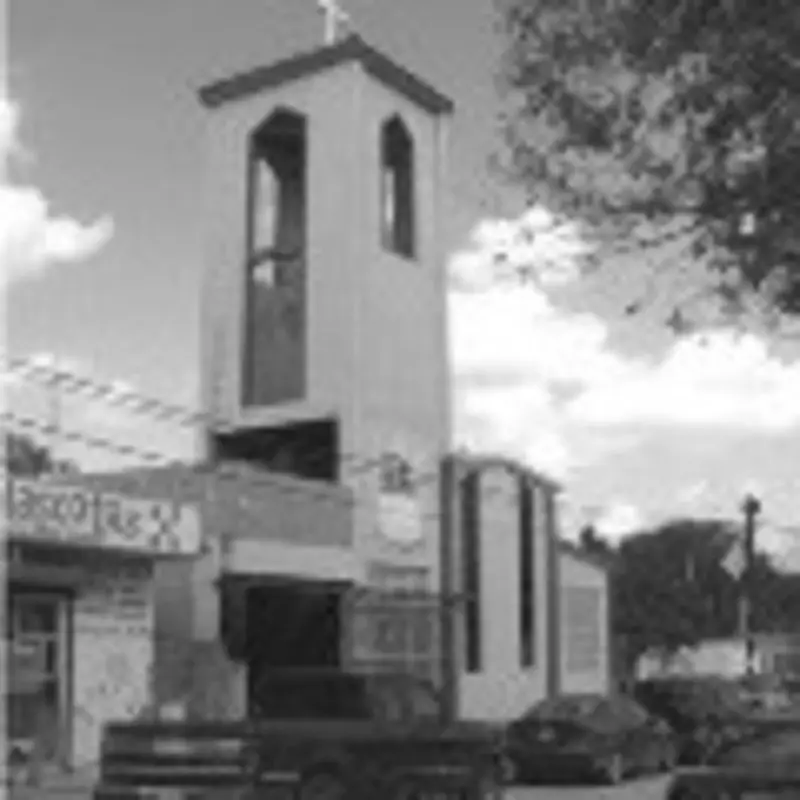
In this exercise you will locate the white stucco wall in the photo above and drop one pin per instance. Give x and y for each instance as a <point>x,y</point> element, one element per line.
<point>584,624</point>
<point>502,689</point>
<point>713,657</point>
<point>112,649</point>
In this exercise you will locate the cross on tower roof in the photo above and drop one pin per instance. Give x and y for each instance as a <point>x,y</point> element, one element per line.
<point>335,16</point>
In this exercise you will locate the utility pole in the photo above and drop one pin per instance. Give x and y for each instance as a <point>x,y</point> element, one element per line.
<point>751,507</point>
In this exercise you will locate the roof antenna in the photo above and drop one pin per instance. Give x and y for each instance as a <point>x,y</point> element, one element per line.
<point>336,18</point>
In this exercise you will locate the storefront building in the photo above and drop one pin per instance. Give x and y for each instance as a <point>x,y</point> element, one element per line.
<point>80,612</point>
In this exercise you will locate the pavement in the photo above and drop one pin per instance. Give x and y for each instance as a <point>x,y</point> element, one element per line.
<point>644,789</point>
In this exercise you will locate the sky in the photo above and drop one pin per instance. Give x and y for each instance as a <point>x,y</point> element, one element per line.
<point>101,220</point>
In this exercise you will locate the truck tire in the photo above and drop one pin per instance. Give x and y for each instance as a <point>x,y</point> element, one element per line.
<point>613,771</point>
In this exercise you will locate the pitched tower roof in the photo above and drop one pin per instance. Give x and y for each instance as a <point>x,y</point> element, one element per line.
<point>303,65</point>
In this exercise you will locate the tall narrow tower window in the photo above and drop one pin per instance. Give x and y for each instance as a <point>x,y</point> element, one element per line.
<point>527,587</point>
<point>471,566</point>
<point>274,351</point>
<point>397,188</point>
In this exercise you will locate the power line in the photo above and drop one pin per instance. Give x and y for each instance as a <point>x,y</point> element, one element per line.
<point>156,409</point>
<point>239,473</point>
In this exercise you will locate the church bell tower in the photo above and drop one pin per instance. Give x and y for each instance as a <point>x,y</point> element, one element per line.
<point>324,313</point>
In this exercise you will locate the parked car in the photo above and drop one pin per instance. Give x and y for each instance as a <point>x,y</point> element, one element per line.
<point>764,768</point>
<point>764,692</point>
<point>592,736</point>
<point>705,712</point>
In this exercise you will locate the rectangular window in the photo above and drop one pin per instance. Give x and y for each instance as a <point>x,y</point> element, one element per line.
<point>581,628</point>
<point>471,550</point>
<point>527,587</point>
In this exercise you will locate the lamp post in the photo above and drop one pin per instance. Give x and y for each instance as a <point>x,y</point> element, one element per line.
<point>751,508</point>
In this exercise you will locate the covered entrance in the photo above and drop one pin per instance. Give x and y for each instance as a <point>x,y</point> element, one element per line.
<point>38,704</point>
<point>274,624</point>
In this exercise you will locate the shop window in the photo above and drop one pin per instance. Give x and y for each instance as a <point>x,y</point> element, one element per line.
<point>397,188</point>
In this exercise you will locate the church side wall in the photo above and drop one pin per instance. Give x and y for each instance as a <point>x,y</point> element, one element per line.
<point>584,622</point>
<point>502,688</point>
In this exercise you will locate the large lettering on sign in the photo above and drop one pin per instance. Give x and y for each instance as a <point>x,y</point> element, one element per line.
<point>50,511</point>
<point>74,515</point>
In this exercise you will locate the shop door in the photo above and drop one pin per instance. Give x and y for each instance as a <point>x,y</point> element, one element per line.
<point>37,701</point>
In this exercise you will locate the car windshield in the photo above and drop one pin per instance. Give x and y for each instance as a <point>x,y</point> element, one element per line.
<point>566,707</point>
<point>684,694</point>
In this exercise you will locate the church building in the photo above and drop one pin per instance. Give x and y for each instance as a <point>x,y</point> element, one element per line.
<point>337,529</point>
<point>326,375</point>
<point>324,355</point>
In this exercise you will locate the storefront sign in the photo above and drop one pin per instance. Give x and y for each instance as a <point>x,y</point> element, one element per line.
<point>388,626</point>
<point>74,515</point>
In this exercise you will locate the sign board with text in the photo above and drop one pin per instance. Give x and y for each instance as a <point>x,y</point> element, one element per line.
<point>72,515</point>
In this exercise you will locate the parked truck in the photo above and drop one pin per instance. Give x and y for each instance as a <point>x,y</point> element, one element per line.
<point>313,735</point>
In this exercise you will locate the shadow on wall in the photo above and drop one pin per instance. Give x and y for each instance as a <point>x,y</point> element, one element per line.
<point>201,676</point>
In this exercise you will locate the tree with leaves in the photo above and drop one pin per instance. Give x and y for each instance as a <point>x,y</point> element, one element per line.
<point>25,457</point>
<point>670,590</point>
<point>665,127</point>
<point>593,543</point>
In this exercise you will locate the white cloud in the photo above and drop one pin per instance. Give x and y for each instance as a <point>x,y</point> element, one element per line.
<point>536,247</point>
<point>516,355</point>
<point>545,385</point>
<point>713,380</point>
<point>32,238</point>
<point>619,519</point>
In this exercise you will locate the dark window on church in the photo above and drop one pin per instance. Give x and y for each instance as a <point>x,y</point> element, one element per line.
<point>397,188</point>
<point>470,515</point>
<point>527,584</point>
<point>277,189</point>
<point>274,352</point>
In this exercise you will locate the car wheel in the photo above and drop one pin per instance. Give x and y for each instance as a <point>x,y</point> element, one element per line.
<point>613,770</point>
<point>322,786</point>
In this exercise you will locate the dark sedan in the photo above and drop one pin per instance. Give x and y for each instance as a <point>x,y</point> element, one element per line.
<point>703,711</point>
<point>764,768</point>
<point>591,736</point>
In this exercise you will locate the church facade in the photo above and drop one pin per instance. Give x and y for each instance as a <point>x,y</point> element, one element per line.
<point>325,358</point>
<point>324,351</point>
<point>332,525</point>
<point>338,528</point>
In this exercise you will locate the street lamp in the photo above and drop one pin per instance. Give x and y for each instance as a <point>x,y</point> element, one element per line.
<point>751,508</point>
